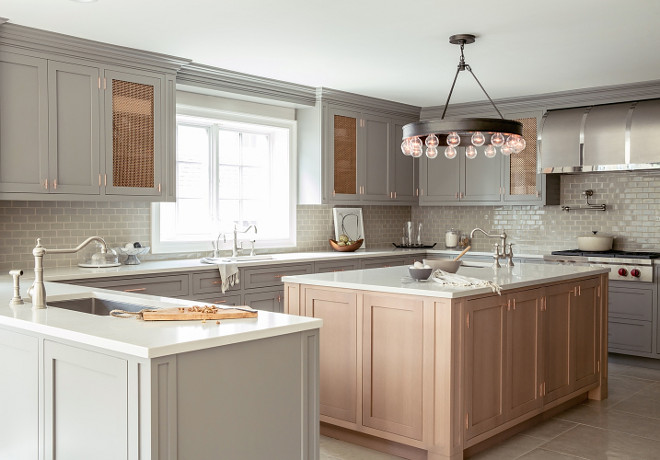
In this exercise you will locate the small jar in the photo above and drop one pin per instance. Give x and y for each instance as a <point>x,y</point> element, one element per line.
<point>452,238</point>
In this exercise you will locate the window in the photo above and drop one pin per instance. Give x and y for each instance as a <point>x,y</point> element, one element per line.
<point>229,170</point>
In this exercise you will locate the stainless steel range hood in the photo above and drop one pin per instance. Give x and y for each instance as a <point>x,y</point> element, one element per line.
<point>613,137</point>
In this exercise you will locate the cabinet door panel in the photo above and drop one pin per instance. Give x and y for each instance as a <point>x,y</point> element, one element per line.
<point>442,179</point>
<point>522,181</point>
<point>23,123</point>
<point>338,351</point>
<point>374,162</point>
<point>73,421</point>
<point>557,358</point>
<point>402,176</point>
<point>485,362</point>
<point>270,300</point>
<point>393,380</point>
<point>133,143</point>
<point>586,333</point>
<point>482,178</point>
<point>73,117</point>
<point>343,154</point>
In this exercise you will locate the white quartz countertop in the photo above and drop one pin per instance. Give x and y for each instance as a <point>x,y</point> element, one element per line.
<point>396,280</point>
<point>145,339</point>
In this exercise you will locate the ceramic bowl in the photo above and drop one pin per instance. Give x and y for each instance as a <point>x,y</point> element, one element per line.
<point>450,266</point>
<point>419,274</point>
<point>347,248</point>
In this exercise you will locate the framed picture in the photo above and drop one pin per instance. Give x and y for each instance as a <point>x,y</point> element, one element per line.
<point>348,221</point>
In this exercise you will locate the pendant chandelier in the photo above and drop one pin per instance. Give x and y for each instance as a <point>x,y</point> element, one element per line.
<point>431,135</point>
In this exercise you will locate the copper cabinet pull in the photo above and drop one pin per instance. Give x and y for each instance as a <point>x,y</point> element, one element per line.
<point>158,188</point>
<point>54,184</point>
<point>46,184</point>
<point>217,282</point>
<point>135,290</point>
<point>278,276</point>
<point>99,173</point>
<point>105,180</point>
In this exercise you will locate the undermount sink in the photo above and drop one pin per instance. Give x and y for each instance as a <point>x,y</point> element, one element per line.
<point>96,306</point>
<point>219,260</point>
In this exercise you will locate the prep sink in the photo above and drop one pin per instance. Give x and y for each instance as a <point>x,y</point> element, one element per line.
<point>96,305</point>
<point>220,260</point>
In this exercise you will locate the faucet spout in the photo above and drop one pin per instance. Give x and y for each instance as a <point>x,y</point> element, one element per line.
<point>38,291</point>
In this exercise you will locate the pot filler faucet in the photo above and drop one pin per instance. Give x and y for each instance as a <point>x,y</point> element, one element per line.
<point>498,255</point>
<point>38,291</point>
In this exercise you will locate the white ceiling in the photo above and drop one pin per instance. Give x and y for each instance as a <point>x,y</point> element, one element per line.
<point>393,50</point>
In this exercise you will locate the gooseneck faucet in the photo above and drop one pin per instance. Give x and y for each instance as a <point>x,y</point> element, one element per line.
<point>507,252</point>
<point>235,248</point>
<point>38,291</point>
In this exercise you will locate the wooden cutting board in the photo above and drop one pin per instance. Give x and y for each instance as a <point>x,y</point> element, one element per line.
<point>195,313</point>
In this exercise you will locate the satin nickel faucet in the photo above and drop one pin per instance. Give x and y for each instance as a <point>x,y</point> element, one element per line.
<point>505,254</point>
<point>235,247</point>
<point>38,291</point>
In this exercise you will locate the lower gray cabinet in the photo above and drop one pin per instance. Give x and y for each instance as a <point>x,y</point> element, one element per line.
<point>271,275</point>
<point>324,266</point>
<point>630,319</point>
<point>382,262</point>
<point>175,285</point>
<point>267,300</point>
<point>86,408</point>
<point>219,299</point>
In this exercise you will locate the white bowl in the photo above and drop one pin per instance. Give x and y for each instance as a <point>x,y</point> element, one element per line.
<point>450,266</point>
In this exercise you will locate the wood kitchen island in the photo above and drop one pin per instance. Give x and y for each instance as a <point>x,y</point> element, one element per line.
<point>426,371</point>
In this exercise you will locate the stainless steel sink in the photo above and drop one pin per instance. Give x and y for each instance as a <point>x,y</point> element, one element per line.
<point>220,260</point>
<point>96,305</point>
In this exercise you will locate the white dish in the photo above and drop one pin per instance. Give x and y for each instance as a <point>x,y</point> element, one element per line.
<point>116,264</point>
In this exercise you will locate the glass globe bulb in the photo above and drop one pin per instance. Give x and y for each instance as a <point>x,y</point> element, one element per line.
<point>478,139</point>
<point>453,139</point>
<point>416,147</point>
<point>471,152</point>
<point>416,153</point>
<point>431,152</point>
<point>490,151</point>
<point>497,140</point>
<point>519,144</point>
<point>432,141</point>
<point>405,147</point>
<point>450,152</point>
<point>506,150</point>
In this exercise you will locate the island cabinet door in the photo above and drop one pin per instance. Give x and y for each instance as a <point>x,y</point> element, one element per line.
<point>338,351</point>
<point>524,356</point>
<point>393,363</point>
<point>586,333</point>
<point>557,357</point>
<point>86,404</point>
<point>485,324</point>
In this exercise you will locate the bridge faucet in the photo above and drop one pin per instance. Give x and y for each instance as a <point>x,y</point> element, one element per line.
<point>235,247</point>
<point>507,252</point>
<point>38,291</point>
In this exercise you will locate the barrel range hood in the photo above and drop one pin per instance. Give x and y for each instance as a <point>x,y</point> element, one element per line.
<point>612,137</point>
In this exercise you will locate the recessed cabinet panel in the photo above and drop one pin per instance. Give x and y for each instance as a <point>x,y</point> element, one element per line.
<point>73,118</point>
<point>442,179</point>
<point>23,123</point>
<point>345,155</point>
<point>557,334</point>
<point>522,181</point>
<point>376,158</point>
<point>402,175</point>
<point>482,178</point>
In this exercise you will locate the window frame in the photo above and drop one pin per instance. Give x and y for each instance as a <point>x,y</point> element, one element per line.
<point>159,246</point>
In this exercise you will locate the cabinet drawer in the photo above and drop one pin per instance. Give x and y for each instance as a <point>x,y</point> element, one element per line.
<point>209,282</point>
<point>219,299</point>
<point>335,266</point>
<point>629,335</point>
<point>630,303</point>
<point>381,262</point>
<point>271,276</point>
<point>166,286</point>
<point>266,300</point>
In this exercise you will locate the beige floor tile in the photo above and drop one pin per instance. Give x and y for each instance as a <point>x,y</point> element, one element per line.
<point>509,449</point>
<point>334,449</point>
<point>599,444</point>
<point>621,387</point>
<point>639,404</point>
<point>542,454</point>
<point>634,371</point>
<point>612,419</point>
<point>550,429</point>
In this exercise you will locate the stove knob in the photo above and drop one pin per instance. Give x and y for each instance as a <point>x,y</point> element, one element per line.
<point>635,272</point>
<point>623,272</point>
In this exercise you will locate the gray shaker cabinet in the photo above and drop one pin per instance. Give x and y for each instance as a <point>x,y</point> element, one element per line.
<point>403,176</point>
<point>23,123</point>
<point>375,160</point>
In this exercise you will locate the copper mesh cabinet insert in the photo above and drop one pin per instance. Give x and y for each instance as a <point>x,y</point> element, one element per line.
<point>522,181</point>
<point>133,134</point>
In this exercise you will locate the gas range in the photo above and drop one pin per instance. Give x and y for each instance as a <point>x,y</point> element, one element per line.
<point>623,265</point>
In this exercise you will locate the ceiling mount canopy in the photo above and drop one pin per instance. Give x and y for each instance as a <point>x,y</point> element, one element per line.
<point>473,132</point>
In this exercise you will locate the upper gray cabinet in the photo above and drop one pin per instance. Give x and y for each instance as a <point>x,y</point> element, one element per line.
<point>349,151</point>
<point>76,126</point>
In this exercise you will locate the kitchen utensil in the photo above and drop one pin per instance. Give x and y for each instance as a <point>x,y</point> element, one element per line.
<point>451,238</point>
<point>348,248</point>
<point>450,266</point>
<point>595,242</point>
<point>462,253</point>
<point>419,274</point>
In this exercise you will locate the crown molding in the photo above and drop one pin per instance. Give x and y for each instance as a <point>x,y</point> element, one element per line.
<point>548,101</point>
<point>214,78</point>
<point>357,101</point>
<point>42,41</point>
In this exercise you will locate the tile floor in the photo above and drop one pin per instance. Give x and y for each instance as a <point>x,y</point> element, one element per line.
<point>625,426</point>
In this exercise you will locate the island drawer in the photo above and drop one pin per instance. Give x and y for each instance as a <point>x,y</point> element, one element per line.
<point>335,265</point>
<point>164,285</point>
<point>272,276</point>
<point>209,282</point>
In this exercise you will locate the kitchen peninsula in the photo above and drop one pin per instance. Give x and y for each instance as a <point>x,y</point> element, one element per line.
<point>77,385</point>
<point>425,371</point>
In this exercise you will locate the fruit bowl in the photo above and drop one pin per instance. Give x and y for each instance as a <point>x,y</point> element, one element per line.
<point>346,248</point>
<point>132,254</point>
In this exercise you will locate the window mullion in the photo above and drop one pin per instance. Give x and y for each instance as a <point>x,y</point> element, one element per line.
<point>214,161</point>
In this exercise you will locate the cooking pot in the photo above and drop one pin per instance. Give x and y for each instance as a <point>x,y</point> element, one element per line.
<point>595,242</point>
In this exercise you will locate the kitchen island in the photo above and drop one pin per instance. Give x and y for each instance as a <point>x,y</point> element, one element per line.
<point>77,386</point>
<point>426,371</point>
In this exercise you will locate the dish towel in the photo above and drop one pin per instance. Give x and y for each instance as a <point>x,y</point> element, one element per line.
<point>451,279</point>
<point>228,275</point>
